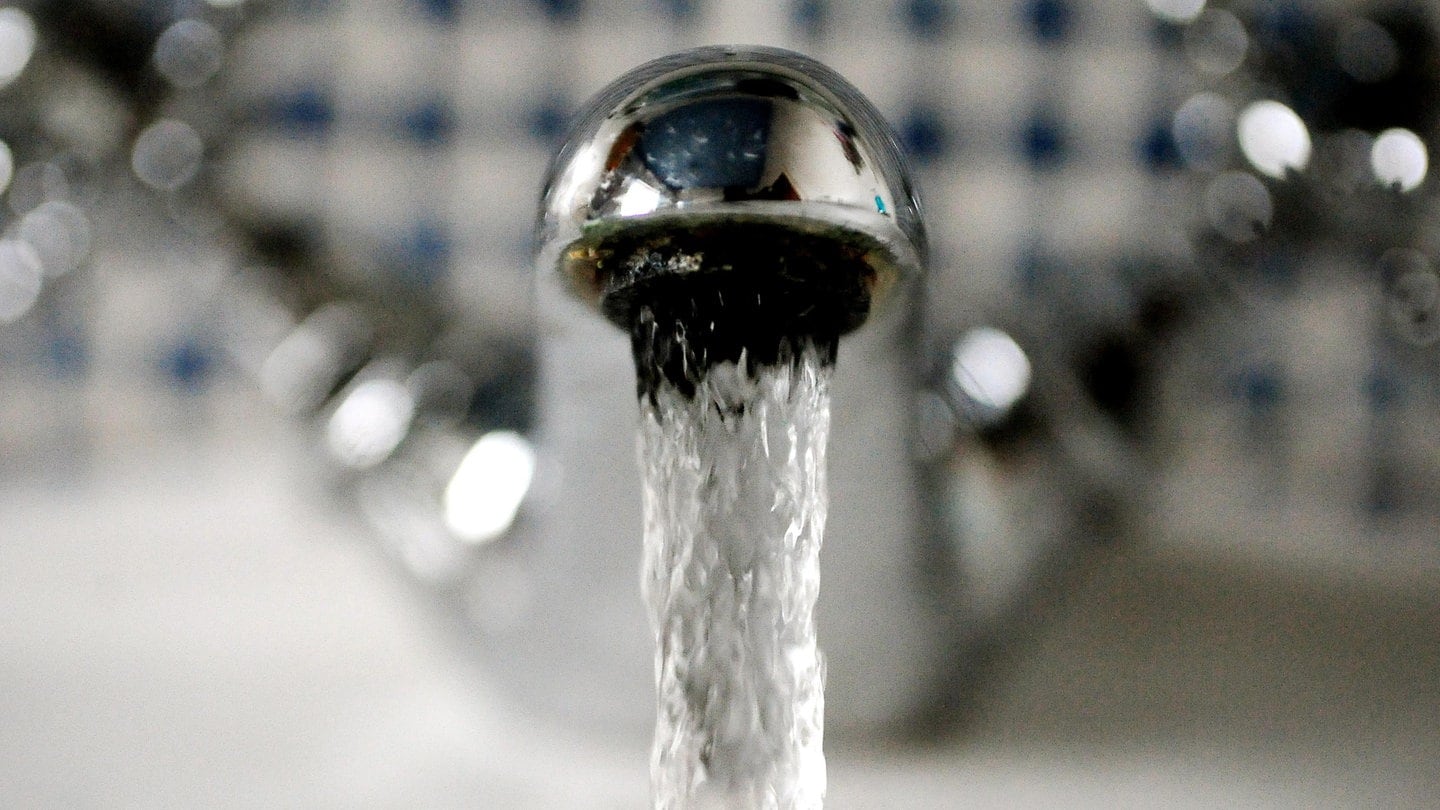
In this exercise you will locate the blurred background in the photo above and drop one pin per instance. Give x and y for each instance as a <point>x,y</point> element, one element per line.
<point>279,465</point>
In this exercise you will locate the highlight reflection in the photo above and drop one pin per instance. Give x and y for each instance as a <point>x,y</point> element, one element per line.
<point>370,422</point>
<point>17,43</point>
<point>1400,159</point>
<point>485,493</point>
<point>992,371</point>
<point>1273,138</point>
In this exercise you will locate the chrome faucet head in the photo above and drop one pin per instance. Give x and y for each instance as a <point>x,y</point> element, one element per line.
<point>700,162</point>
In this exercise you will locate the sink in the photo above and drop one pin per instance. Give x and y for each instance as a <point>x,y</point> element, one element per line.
<point>189,619</point>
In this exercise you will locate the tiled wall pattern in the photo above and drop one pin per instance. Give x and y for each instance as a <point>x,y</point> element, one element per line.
<point>1061,202</point>
<point>1058,200</point>
<point>418,131</point>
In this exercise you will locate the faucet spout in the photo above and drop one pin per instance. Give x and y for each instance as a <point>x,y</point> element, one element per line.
<point>734,212</point>
<point>737,211</point>
<point>756,177</point>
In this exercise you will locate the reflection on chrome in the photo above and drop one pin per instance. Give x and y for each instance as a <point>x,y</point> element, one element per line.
<point>732,134</point>
<point>370,422</point>
<point>1216,42</point>
<point>636,198</point>
<point>21,277</point>
<point>1176,11</point>
<point>1202,130</point>
<point>1400,159</point>
<point>1238,206</point>
<point>188,53</point>
<point>167,155</point>
<point>17,43</point>
<point>60,234</point>
<point>1273,138</point>
<point>485,493</point>
<point>991,371</point>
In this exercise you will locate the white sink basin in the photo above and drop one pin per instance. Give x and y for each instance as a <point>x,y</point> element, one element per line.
<point>191,624</point>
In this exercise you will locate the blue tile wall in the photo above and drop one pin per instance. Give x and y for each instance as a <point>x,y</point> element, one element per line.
<point>1059,192</point>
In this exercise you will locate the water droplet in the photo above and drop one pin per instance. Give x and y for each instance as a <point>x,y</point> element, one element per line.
<point>1412,295</point>
<point>1238,206</point>
<point>189,53</point>
<point>1399,159</point>
<point>1216,42</point>
<point>1273,138</point>
<point>167,155</point>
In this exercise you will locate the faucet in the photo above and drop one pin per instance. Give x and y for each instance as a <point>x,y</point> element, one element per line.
<point>425,412</point>
<point>745,157</point>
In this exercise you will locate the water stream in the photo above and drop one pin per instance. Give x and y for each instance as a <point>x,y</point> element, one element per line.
<point>734,475</point>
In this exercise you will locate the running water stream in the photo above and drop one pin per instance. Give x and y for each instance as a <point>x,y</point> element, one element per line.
<point>734,477</point>
<point>734,339</point>
<point>737,209</point>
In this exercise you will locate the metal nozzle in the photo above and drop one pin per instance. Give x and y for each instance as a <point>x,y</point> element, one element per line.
<point>732,160</point>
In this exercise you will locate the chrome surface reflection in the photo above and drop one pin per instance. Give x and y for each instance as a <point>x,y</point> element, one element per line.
<point>732,134</point>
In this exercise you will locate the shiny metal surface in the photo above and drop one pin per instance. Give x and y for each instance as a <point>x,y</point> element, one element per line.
<point>730,134</point>
<point>764,162</point>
